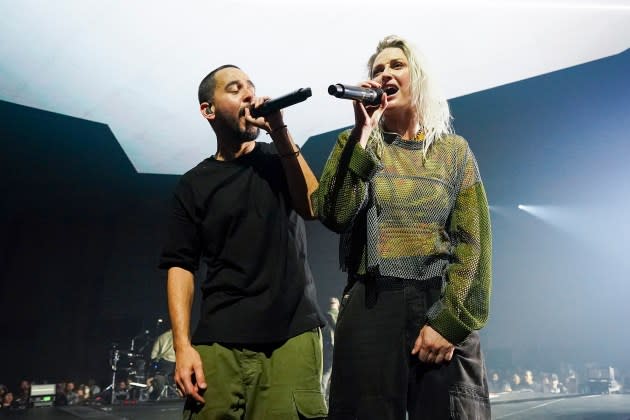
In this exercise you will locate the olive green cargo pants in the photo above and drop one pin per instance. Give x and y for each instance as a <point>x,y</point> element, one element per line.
<point>262,382</point>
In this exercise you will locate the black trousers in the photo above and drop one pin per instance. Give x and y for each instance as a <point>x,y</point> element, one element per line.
<point>374,375</point>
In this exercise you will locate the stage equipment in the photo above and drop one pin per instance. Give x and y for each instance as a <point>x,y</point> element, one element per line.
<point>42,395</point>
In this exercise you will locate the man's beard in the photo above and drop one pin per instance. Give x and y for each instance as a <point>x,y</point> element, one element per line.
<point>249,133</point>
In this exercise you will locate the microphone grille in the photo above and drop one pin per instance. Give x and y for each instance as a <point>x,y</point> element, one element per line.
<point>335,90</point>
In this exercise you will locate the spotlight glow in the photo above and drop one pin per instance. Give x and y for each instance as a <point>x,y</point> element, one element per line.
<point>563,218</point>
<point>547,213</point>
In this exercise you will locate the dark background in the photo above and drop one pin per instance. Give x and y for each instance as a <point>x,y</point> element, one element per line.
<point>81,230</point>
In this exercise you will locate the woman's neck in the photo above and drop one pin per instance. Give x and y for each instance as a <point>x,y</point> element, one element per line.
<point>406,125</point>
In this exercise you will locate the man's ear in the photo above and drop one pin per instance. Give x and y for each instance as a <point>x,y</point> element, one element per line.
<point>207,110</point>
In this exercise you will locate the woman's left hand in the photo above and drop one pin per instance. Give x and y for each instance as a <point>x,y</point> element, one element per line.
<point>431,347</point>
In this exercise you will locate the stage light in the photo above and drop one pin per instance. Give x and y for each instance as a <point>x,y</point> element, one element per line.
<point>544,213</point>
<point>564,218</point>
<point>548,213</point>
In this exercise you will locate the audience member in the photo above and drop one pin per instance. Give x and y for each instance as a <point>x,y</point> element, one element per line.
<point>496,384</point>
<point>3,391</point>
<point>515,382</point>
<point>530,383</point>
<point>94,388</point>
<point>557,387</point>
<point>7,400</point>
<point>24,393</point>
<point>122,390</point>
<point>571,382</point>
<point>71,394</point>
<point>60,394</point>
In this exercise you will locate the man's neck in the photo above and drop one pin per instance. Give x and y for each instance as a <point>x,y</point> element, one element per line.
<point>229,151</point>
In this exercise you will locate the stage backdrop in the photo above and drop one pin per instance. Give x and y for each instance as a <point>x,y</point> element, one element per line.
<point>81,230</point>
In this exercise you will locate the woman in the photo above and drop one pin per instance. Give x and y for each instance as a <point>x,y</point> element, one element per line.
<point>406,195</point>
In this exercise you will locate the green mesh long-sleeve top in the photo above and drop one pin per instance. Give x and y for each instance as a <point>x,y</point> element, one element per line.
<point>402,215</point>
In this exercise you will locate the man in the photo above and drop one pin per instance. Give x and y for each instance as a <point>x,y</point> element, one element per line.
<point>162,362</point>
<point>256,352</point>
<point>163,351</point>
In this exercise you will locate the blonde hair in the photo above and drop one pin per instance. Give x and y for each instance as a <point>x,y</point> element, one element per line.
<point>431,107</point>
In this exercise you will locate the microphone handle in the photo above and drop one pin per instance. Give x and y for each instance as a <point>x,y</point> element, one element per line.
<point>368,96</point>
<point>280,102</point>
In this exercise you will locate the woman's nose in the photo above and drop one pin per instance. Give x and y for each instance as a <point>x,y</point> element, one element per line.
<point>385,75</point>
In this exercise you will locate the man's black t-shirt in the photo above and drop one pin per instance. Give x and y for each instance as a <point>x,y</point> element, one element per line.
<point>236,216</point>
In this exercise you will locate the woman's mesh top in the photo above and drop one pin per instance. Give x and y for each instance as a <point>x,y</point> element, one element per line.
<point>405,216</point>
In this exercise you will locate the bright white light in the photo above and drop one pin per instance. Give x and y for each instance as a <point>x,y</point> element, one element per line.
<point>141,82</point>
<point>551,4</point>
<point>590,225</point>
<point>550,214</point>
<point>567,219</point>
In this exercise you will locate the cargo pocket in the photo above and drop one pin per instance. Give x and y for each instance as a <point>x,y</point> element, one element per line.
<point>310,404</point>
<point>468,402</point>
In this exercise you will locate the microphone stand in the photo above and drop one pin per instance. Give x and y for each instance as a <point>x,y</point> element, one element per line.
<point>115,358</point>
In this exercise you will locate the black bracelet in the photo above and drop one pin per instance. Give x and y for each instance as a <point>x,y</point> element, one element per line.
<point>275,130</point>
<point>292,154</point>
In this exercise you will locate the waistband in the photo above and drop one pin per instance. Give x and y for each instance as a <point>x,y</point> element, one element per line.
<point>397,283</point>
<point>376,284</point>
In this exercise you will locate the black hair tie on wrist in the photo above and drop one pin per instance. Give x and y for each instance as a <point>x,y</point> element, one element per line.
<point>275,130</point>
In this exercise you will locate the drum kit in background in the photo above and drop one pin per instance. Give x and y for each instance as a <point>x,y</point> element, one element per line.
<point>135,377</point>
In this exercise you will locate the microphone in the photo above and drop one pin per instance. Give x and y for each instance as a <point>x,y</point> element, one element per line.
<point>280,102</point>
<point>368,96</point>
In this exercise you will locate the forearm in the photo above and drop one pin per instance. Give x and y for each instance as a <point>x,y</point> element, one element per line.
<point>343,184</point>
<point>300,178</point>
<point>180,292</point>
<point>465,304</point>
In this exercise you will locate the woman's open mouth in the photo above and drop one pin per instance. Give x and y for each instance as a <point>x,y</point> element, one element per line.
<point>390,90</point>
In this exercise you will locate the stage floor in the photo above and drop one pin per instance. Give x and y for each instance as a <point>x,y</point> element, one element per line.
<point>162,410</point>
<point>528,406</point>
<point>566,407</point>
